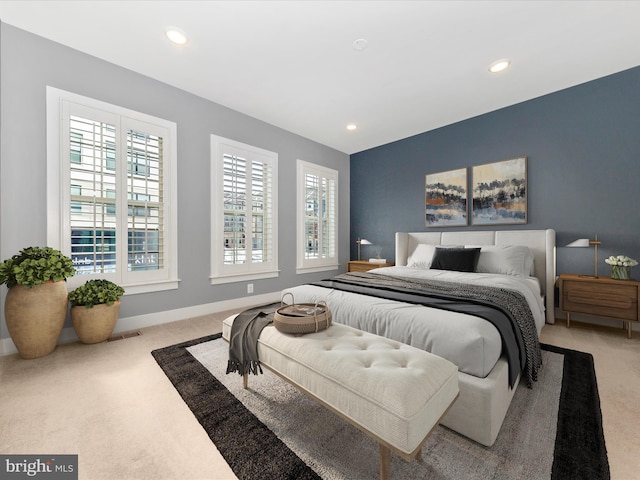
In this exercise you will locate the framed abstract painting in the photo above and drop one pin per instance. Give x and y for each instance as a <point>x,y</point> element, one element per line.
<point>446,198</point>
<point>499,192</point>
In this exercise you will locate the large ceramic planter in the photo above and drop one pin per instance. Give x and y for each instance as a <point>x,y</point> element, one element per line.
<point>35,317</point>
<point>95,324</point>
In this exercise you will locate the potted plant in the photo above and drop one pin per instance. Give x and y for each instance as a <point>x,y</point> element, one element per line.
<point>94,310</point>
<point>36,305</point>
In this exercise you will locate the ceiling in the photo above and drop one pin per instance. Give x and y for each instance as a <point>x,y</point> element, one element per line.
<point>292,63</point>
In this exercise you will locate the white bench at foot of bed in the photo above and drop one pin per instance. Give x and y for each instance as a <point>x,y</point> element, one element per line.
<point>393,392</point>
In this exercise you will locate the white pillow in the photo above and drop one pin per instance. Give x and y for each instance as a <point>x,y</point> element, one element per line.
<point>529,263</point>
<point>421,257</point>
<point>509,260</point>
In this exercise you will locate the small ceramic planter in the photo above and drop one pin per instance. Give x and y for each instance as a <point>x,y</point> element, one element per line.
<point>95,324</point>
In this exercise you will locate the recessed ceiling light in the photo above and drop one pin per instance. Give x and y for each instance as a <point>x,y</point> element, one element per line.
<point>360,44</point>
<point>176,35</point>
<point>352,126</point>
<point>499,65</point>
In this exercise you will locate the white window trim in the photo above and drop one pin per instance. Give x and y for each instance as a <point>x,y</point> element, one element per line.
<point>221,273</point>
<point>319,264</point>
<point>58,198</point>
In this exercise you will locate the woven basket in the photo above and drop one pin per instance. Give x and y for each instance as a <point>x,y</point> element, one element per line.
<point>299,318</point>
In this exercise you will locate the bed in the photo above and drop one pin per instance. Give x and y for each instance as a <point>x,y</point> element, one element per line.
<point>388,301</point>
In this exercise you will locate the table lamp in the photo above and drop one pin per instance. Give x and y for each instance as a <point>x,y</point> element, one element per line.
<point>585,242</point>
<point>362,241</point>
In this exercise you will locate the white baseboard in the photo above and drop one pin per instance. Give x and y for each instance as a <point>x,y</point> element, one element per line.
<point>68,335</point>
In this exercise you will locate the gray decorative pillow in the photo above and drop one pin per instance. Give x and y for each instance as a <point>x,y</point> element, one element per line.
<point>507,260</point>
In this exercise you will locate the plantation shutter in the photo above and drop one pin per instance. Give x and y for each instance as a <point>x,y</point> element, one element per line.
<point>318,219</point>
<point>93,190</point>
<point>115,181</point>
<point>244,211</point>
<point>320,210</point>
<point>262,212</point>
<point>235,210</point>
<point>145,206</point>
<point>329,215</point>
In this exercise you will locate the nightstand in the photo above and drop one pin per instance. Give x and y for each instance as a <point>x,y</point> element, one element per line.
<point>601,297</point>
<point>365,266</point>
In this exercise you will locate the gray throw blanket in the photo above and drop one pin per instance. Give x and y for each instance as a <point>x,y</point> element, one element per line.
<point>243,344</point>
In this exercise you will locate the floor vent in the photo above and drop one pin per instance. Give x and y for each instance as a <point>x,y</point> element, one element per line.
<point>123,335</point>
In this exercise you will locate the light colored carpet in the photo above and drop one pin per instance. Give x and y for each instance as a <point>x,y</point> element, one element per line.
<point>337,450</point>
<point>70,401</point>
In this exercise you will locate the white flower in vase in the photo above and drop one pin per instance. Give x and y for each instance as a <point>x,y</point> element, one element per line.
<point>621,261</point>
<point>621,266</point>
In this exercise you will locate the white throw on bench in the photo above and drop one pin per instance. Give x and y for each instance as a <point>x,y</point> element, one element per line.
<point>393,392</point>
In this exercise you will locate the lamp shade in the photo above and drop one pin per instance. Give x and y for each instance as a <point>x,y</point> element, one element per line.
<point>585,242</point>
<point>581,242</point>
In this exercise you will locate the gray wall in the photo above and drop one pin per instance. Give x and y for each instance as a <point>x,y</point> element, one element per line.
<point>583,149</point>
<point>29,63</point>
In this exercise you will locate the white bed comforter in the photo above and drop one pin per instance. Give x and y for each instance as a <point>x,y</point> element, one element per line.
<point>472,343</point>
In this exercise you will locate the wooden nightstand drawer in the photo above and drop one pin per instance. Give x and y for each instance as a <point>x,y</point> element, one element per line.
<point>601,297</point>
<point>605,300</point>
<point>364,266</point>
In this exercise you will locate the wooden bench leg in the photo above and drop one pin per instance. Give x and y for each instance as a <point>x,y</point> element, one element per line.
<point>418,456</point>
<point>385,463</point>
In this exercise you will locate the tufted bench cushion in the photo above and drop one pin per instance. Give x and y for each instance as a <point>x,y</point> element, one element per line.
<point>394,392</point>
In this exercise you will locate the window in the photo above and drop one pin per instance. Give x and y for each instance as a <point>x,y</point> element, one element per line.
<point>317,223</point>
<point>111,192</point>
<point>244,212</point>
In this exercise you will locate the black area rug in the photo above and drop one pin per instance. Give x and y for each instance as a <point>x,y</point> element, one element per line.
<point>580,450</point>
<point>253,451</point>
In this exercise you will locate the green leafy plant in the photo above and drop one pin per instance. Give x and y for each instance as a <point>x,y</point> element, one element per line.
<point>34,266</point>
<point>95,292</point>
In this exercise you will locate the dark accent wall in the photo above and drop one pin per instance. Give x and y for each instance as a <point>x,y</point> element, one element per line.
<point>583,170</point>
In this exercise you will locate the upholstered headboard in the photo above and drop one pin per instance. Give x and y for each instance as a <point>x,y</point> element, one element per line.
<point>542,244</point>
